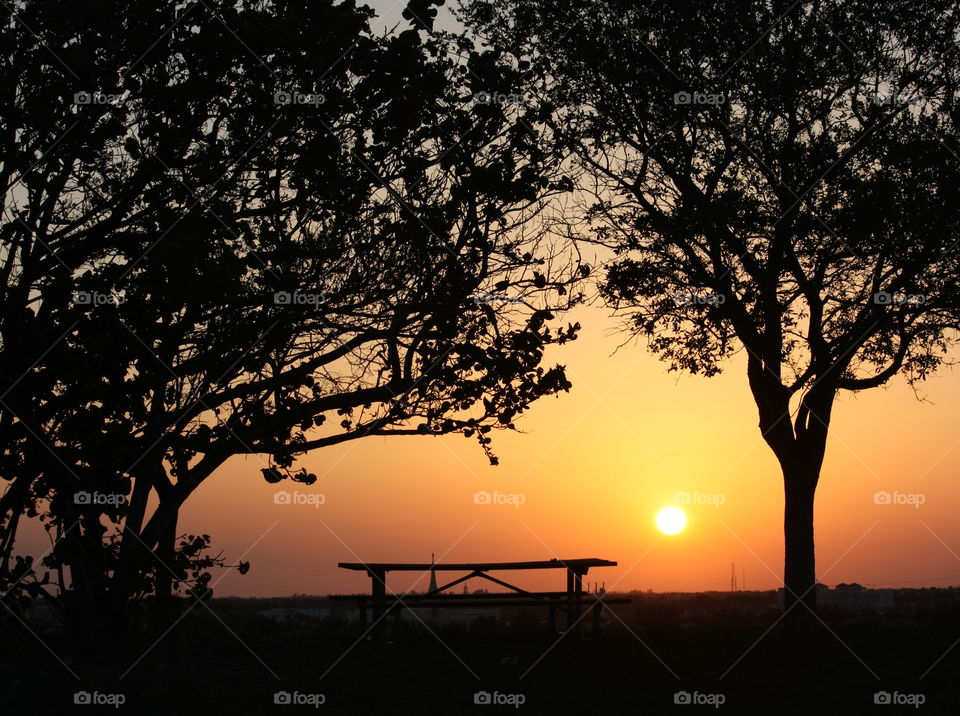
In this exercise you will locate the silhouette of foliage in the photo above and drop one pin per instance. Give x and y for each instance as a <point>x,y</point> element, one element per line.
<point>791,192</point>
<point>250,227</point>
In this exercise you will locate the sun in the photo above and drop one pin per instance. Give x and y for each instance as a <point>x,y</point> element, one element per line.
<point>671,520</point>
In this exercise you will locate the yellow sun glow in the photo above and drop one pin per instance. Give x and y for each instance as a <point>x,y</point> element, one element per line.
<point>671,520</point>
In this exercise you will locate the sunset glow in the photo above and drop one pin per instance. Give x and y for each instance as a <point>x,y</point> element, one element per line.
<point>671,520</point>
<point>377,356</point>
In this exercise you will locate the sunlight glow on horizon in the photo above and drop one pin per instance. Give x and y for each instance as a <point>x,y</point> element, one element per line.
<point>593,475</point>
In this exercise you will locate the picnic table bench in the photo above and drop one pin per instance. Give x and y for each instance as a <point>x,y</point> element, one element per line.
<point>571,601</point>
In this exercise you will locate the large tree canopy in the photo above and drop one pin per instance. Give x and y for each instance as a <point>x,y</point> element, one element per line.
<point>250,227</point>
<point>775,178</point>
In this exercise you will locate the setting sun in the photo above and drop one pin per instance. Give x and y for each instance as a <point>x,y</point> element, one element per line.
<point>671,520</point>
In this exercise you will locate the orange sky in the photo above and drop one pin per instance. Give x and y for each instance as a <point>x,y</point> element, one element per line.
<point>594,468</point>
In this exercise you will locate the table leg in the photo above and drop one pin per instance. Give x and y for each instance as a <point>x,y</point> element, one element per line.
<point>578,592</point>
<point>378,579</point>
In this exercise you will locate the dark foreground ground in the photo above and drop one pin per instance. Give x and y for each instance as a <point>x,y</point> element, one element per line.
<point>234,660</point>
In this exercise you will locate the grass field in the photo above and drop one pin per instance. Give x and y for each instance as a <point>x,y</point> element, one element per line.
<point>233,660</point>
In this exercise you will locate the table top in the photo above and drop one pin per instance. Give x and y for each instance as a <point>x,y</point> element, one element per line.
<point>575,564</point>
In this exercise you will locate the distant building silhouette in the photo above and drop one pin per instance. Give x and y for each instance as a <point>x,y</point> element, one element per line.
<point>854,597</point>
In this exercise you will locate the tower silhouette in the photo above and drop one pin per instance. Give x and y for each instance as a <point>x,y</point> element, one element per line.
<point>434,612</point>
<point>433,573</point>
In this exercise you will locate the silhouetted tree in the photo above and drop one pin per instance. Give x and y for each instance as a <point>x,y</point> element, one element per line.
<point>778,178</point>
<point>248,228</point>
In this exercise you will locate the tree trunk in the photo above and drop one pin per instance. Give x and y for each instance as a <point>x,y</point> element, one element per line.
<point>143,545</point>
<point>87,604</point>
<point>799,570</point>
<point>164,582</point>
<point>800,446</point>
<point>133,554</point>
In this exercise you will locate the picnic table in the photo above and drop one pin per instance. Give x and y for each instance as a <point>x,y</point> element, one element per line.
<point>572,600</point>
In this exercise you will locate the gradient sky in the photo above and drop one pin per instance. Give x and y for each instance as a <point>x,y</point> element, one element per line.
<point>594,467</point>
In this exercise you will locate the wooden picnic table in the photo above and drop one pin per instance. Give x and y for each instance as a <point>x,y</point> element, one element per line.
<point>571,600</point>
